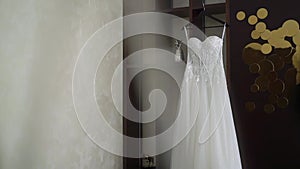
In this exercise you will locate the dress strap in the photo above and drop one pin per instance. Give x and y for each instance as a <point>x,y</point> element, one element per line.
<point>187,43</point>
<point>186,33</point>
<point>224,30</point>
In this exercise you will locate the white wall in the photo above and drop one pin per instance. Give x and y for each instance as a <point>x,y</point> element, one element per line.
<point>40,40</point>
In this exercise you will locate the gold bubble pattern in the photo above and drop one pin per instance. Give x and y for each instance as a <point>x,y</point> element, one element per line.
<point>270,60</point>
<point>262,13</point>
<point>241,15</point>
<point>252,20</point>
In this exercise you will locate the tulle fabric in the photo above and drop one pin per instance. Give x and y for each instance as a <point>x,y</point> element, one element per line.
<point>212,142</point>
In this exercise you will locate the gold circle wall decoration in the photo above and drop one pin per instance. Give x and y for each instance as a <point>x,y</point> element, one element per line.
<point>254,88</point>
<point>269,108</point>
<point>250,106</point>
<point>263,83</point>
<point>266,34</point>
<point>277,87</point>
<point>270,59</point>
<point>255,46</point>
<point>296,57</point>
<point>278,33</point>
<point>282,32</point>
<point>266,66</point>
<point>241,15</point>
<point>296,40</point>
<point>282,102</point>
<point>255,34</point>
<point>274,41</point>
<point>279,43</point>
<point>251,55</point>
<point>291,26</point>
<point>262,13</point>
<point>272,76</point>
<point>252,20</point>
<point>284,52</point>
<point>273,98</point>
<point>284,44</point>
<point>296,60</point>
<point>288,58</point>
<point>260,27</point>
<point>254,68</point>
<point>266,48</point>
<point>277,61</point>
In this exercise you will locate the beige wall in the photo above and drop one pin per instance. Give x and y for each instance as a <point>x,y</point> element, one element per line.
<point>40,40</point>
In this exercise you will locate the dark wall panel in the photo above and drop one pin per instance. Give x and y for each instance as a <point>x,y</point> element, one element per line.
<point>269,138</point>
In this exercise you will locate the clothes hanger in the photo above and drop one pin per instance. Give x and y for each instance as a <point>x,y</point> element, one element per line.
<point>203,12</point>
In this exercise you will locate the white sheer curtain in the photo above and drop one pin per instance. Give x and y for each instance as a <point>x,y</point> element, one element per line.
<point>39,43</point>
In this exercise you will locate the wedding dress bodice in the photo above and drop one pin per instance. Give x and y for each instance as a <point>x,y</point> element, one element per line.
<point>204,57</point>
<point>208,50</point>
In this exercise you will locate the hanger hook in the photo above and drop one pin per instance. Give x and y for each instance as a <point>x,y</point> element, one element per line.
<point>203,5</point>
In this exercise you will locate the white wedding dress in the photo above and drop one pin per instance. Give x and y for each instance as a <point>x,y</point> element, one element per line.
<point>212,142</point>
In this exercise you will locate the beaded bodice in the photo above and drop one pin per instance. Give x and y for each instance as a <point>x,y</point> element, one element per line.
<point>204,58</point>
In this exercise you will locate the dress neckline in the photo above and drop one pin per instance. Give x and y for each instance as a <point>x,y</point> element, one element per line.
<point>197,44</point>
<point>207,38</point>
